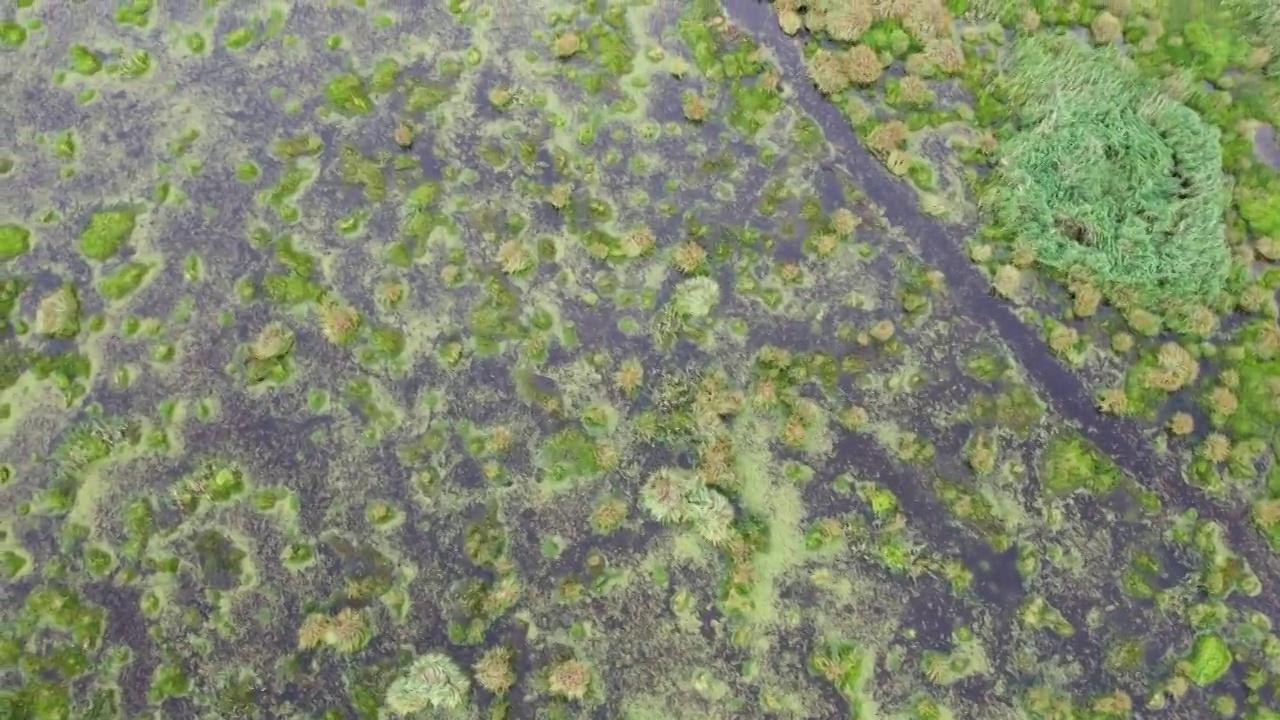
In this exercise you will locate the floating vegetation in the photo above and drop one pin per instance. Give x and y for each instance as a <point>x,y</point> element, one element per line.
<point>609,359</point>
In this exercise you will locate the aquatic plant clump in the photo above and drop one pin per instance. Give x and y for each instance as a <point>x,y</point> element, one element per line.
<point>433,681</point>
<point>1105,175</point>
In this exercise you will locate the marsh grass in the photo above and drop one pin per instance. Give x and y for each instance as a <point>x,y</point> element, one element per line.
<point>1103,173</point>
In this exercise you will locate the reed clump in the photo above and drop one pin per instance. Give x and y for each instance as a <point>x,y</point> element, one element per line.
<point>1109,179</point>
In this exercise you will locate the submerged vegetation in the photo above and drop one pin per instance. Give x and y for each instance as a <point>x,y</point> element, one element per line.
<point>808,359</point>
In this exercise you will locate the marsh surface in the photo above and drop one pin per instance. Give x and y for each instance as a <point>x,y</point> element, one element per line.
<point>576,360</point>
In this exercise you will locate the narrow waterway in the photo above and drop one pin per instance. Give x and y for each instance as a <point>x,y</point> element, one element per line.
<point>1266,148</point>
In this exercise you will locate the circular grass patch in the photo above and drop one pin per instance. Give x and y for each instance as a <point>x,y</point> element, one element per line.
<point>1105,176</point>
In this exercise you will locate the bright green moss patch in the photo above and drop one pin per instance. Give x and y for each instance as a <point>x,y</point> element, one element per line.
<point>384,77</point>
<point>12,35</point>
<point>1210,660</point>
<point>136,13</point>
<point>295,177</point>
<point>99,561</point>
<point>84,61</point>
<point>169,681</point>
<point>1258,199</point>
<point>124,281</point>
<point>64,146</point>
<point>13,564</point>
<point>247,171</point>
<point>289,289</point>
<point>1071,464</point>
<point>348,94</point>
<point>238,39</point>
<point>106,233</point>
<point>1104,175</point>
<point>15,241</point>
<point>567,457</point>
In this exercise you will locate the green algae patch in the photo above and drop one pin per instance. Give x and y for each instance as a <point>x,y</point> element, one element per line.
<point>14,563</point>
<point>248,171</point>
<point>1104,175</point>
<point>15,241</point>
<point>385,74</point>
<point>135,66</point>
<point>1210,660</point>
<point>238,39</point>
<point>1071,464</point>
<point>168,681</point>
<point>195,43</point>
<point>124,281</point>
<point>348,94</point>
<point>84,61</point>
<point>12,35</point>
<point>107,232</point>
<point>136,13</point>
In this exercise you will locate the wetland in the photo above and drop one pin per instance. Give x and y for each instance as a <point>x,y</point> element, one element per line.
<point>639,359</point>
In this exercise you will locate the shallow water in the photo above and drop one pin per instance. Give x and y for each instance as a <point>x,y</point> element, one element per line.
<point>1266,148</point>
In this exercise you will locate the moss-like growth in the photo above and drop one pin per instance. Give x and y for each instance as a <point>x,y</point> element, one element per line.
<point>124,281</point>
<point>696,297</point>
<point>346,632</point>
<point>695,107</point>
<point>106,233</point>
<point>12,34</point>
<point>843,665</point>
<point>608,515</point>
<point>1071,464</point>
<point>84,61</point>
<point>15,241</point>
<point>1209,661</point>
<point>384,76</point>
<point>273,341</point>
<point>348,94</point>
<point>629,376</point>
